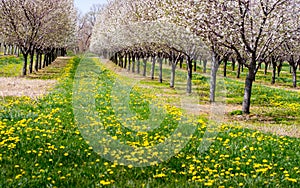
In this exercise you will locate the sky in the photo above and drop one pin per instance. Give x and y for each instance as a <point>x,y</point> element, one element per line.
<point>84,5</point>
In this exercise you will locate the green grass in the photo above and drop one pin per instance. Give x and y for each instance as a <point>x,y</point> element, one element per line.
<point>285,80</point>
<point>42,146</point>
<point>280,106</point>
<point>11,66</point>
<point>271,105</point>
<point>53,71</point>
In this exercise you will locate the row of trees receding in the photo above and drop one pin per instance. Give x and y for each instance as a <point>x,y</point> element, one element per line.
<point>249,32</point>
<point>40,29</point>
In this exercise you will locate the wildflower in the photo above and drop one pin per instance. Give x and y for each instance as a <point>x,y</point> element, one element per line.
<point>102,182</point>
<point>159,175</point>
<point>130,166</point>
<point>291,179</point>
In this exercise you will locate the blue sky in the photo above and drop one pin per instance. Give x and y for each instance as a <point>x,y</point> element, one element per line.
<point>84,5</point>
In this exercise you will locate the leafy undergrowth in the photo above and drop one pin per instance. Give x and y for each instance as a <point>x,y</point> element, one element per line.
<point>10,66</point>
<point>41,146</point>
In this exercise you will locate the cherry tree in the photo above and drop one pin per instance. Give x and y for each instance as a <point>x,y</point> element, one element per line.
<point>137,26</point>
<point>291,46</point>
<point>251,29</point>
<point>31,24</point>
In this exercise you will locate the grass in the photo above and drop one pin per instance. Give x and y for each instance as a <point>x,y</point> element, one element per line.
<point>44,145</point>
<point>285,80</point>
<point>272,105</point>
<point>11,66</point>
<point>53,71</point>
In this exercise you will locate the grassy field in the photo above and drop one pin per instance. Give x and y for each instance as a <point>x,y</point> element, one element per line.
<point>272,105</point>
<point>43,144</point>
<point>10,66</point>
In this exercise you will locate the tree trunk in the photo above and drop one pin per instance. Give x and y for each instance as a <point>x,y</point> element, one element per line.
<point>116,58</point>
<point>172,82</point>
<point>279,68</point>
<point>37,58</point>
<point>266,68</point>
<point>247,95</point>
<point>213,80</point>
<point>133,63</point>
<point>53,55</point>
<point>50,56</point>
<point>31,61</point>
<point>16,50</point>
<point>189,75</point>
<point>24,71</point>
<point>40,61</point>
<point>248,87</point>
<point>294,68</point>
<point>160,69</point>
<point>153,67</point>
<point>274,65</point>
<point>233,64</point>
<point>5,50</point>
<point>12,50</point>
<point>44,62</point>
<point>225,67</point>
<point>181,63</point>
<point>204,65</point>
<point>125,61</point>
<point>145,66</point>
<point>239,70</point>
<point>129,62</point>
<point>195,65</point>
<point>121,61</point>
<point>138,65</point>
<point>47,59</point>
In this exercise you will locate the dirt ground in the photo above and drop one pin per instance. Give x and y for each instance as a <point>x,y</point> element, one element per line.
<point>15,86</point>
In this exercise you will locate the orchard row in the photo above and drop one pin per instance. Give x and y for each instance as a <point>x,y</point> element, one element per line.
<point>250,33</point>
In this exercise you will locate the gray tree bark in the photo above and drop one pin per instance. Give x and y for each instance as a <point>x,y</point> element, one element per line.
<point>24,71</point>
<point>189,75</point>
<point>172,81</point>
<point>248,86</point>
<point>294,72</point>
<point>153,67</point>
<point>160,69</point>
<point>204,65</point>
<point>213,80</point>
<point>145,66</point>
<point>274,66</point>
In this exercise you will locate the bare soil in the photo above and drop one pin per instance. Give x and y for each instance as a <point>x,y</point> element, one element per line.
<point>32,85</point>
<point>18,87</point>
